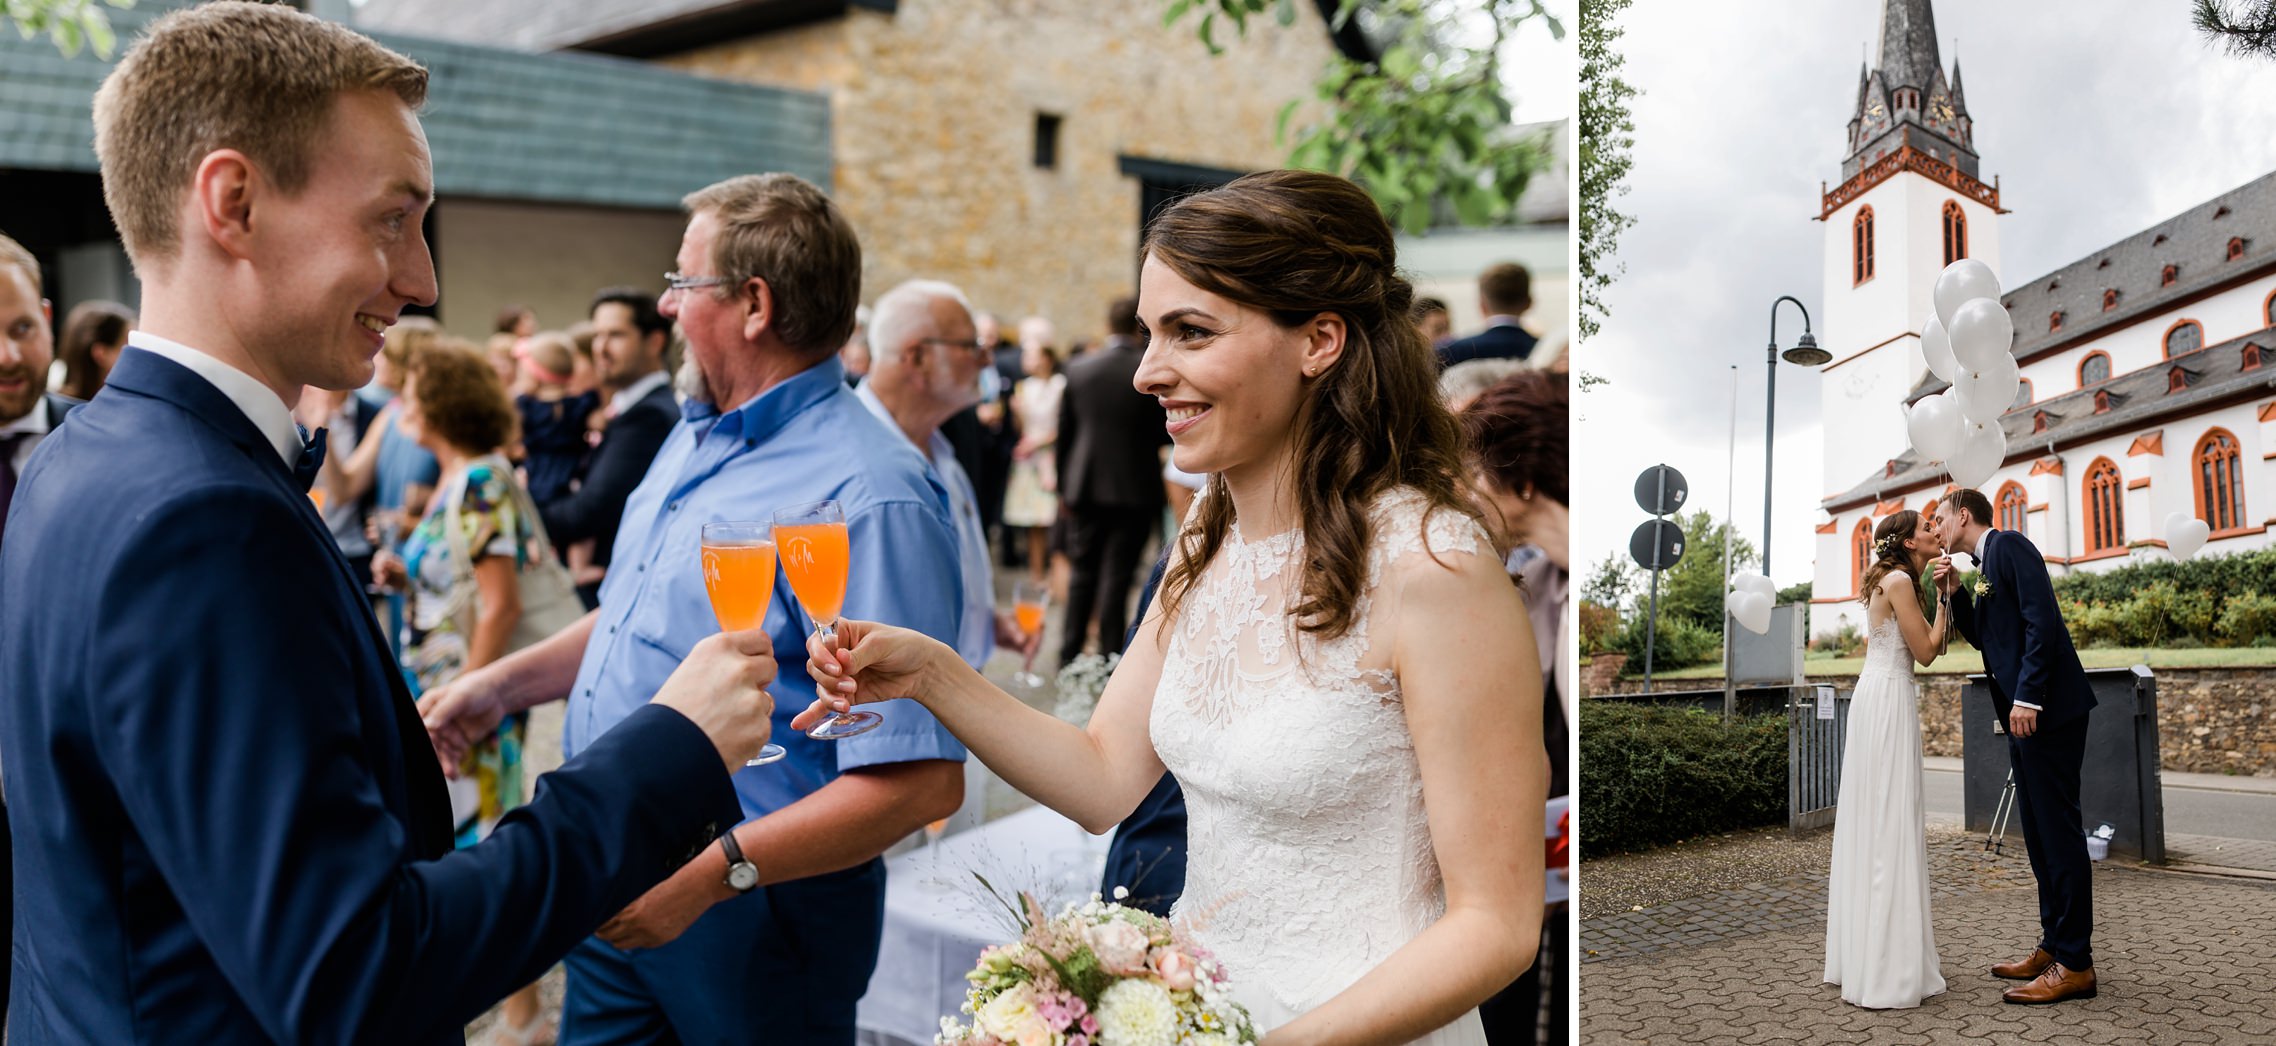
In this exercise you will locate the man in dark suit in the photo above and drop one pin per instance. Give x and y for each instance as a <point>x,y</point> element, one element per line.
<point>2041,694</point>
<point>629,338</point>
<point>1505,291</point>
<point>1110,479</point>
<point>27,416</point>
<point>229,825</point>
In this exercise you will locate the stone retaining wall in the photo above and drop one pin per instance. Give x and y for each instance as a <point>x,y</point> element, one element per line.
<point>2210,720</point>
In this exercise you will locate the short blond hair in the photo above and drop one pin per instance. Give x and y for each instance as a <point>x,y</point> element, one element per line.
<point>781,229</point>
<point>13,254</point>
<point>255,77</point>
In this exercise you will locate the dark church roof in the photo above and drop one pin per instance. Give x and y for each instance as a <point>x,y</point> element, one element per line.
<point>2212,375</point>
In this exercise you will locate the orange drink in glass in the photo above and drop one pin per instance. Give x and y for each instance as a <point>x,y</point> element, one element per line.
<point>738,572</point>
<point>815,553</point>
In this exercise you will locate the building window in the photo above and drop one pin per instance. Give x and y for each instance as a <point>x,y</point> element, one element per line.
<point>2176,380</point>
<point>2110,299</point>
<point>2268,309</point>
<point>2022,394</point>
<point>1955,232</point>
<point>2251,356</point>
<point>1861,246</point>
<point>2220,481</point>
<point>2167,278</point>
<point>2009,507</point>
<point>1860,552</point>
<point>1047,140</point>
<point>2055,320</point>
<point>2102,401</point>
<point>2094,369</point>
<point>2236,247</point>
<point>2038,422</point>
<point>2183,336</point>
<point>2105,507</point>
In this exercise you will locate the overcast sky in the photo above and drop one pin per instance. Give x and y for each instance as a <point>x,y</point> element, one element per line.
<point>2099,117</point>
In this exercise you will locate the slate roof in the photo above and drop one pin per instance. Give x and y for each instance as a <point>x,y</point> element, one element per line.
<point>561,128</point>
<point>2215,373</point>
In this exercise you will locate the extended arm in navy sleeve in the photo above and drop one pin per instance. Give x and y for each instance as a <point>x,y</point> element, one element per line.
<point>231,719</point>
<point>619,464</point>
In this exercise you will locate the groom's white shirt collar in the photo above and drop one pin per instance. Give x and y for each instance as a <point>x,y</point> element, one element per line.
<point>259,402</point>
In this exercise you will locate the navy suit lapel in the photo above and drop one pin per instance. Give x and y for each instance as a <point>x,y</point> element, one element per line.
<point>149,374</point>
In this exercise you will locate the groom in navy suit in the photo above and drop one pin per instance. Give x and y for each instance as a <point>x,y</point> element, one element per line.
<point>2041,694</point>
<point>229,824</point>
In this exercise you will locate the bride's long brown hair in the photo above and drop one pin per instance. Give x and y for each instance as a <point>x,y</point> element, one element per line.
<point>1889,553</point>
<point>1295,244</point>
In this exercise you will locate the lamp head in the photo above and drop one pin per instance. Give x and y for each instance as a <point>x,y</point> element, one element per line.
<point>1807,353</point>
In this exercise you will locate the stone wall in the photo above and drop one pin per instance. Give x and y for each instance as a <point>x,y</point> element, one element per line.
<point>933,114</point>
<point>2210,720</point>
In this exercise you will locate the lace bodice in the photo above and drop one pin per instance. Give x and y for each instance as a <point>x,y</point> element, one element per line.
<point>1310,860</point>
<point>1885,649</point>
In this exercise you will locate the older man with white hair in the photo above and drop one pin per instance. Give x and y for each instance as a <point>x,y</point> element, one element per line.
<point>925,363</point>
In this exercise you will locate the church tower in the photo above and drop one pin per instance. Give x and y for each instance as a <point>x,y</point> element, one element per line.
<point>1910,202</point>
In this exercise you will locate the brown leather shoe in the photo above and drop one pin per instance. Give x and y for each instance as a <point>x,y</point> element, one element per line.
<point>2055,985</point>
<point>2026,969</point>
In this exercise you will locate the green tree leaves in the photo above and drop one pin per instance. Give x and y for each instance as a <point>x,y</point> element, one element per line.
<point>71,24</point>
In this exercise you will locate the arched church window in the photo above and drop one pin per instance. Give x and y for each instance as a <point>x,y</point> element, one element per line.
<point>2009,507</point>
<point>1861,246</point>
<point>2183,336</point>
<point>1955,232</point>
<point>2094,369</point>
<point>2268,309</point>
<point>2220,481</point>
<point>2105,507</point>
<point>1860,552</point>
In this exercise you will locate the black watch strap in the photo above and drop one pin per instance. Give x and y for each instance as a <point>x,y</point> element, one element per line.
<point>742,875</point>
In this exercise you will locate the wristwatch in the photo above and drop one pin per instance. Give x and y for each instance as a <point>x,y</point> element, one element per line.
<point>741,873</point>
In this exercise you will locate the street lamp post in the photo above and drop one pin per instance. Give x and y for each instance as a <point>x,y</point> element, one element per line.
<point>1806,353</point>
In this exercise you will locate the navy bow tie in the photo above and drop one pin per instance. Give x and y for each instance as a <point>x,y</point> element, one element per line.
<point>311,459</point>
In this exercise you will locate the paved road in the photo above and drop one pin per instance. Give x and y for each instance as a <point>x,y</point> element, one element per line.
<point>2195,804</point>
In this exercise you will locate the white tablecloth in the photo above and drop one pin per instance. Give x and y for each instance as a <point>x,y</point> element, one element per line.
<point>938,917</point>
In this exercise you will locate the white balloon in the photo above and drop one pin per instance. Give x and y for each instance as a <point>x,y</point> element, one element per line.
<point>1983,447</point>
<point>1934,425</point>
<point>2185,534</point>
<point>1982,333</point>
<point>1751,610</point>
<point>1749,581</point>
<point>1936,345</point>
<point>1985,393</point>
<point>1961,282</point>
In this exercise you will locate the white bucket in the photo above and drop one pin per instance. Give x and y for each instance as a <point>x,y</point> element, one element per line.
<point>2097,849</point>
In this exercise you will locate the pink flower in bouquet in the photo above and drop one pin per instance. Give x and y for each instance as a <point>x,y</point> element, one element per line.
<point>1120,947</point>
<point>1174,968</point>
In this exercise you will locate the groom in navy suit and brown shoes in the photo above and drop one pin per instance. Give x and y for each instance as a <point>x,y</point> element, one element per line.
<point>229,823</point>
<point>2040,692</point>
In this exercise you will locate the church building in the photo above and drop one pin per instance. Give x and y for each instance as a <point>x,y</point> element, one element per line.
<point>2147,385</point>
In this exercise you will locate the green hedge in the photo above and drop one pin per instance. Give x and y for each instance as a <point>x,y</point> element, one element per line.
<point>1651,775</point>
<point>1677,643</point>
<point>2245,571</point>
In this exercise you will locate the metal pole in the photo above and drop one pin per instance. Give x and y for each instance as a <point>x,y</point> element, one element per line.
<point>1730,527</point>
<point>1652,617</point>
<point>1769,434</point>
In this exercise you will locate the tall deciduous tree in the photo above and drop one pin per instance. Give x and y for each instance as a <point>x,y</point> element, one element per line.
<point>1607,132</point>
<point>70,23</point>
<point>1427,123</point>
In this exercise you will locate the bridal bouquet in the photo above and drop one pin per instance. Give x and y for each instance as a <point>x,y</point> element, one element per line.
<point>1098,973</point>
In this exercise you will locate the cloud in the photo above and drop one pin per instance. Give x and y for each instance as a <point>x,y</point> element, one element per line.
<point>2099,117</point>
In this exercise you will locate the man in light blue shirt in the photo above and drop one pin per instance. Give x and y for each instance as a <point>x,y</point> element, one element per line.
<point>779,950</point>
<point>925,366</point>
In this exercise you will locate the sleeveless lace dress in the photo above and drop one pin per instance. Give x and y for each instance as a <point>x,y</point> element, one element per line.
<point>1310,860</point>
<point>1880,944</point>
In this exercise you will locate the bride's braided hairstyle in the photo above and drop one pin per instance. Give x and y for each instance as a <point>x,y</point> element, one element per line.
<point>1295,244</point>
<point>1889,552</point>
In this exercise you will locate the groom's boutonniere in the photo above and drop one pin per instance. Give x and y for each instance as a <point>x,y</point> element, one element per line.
<point>1982,588</point>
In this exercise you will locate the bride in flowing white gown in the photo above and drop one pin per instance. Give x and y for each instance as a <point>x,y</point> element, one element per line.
<point>1880,945</point>
<point>1337,668</point>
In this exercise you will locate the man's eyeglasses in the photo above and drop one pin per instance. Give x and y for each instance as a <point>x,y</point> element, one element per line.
<point>675,282</point>
<point>973,348</point>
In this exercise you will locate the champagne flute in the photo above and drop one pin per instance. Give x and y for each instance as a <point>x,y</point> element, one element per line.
<point>738,571</point>
<point>814,554</point>
<point>1031,601</point>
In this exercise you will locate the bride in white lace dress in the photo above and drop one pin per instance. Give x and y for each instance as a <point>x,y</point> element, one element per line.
<point>1880,944</point>
<point>1337,670</point>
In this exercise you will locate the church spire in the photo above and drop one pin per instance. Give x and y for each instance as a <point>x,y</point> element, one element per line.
<point>1905,102</point>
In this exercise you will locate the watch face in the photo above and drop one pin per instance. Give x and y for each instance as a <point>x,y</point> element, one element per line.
<point>742,875</point>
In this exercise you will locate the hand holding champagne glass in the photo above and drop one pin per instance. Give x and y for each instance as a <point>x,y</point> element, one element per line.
<point>814,556</point>
<point>738,571</point>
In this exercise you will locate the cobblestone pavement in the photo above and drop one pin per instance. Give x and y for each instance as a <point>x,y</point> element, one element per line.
<point>2207,851</point>
<point>2185,959</point>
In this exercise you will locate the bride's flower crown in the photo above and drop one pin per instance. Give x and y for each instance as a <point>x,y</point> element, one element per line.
<point>1887,546</point>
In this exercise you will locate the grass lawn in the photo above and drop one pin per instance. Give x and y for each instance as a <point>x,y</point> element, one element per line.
<point>1964,661</point>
